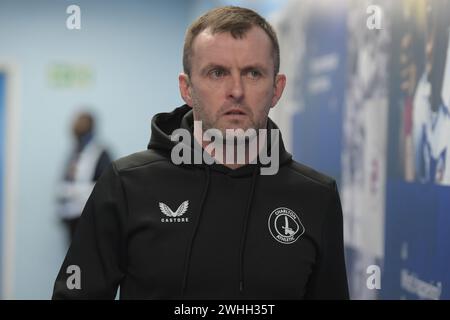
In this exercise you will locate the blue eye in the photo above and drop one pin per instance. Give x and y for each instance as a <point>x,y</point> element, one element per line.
<point>254,74</point>
<point>217,73</point>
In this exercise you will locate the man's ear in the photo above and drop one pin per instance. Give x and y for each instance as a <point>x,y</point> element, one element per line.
<point>280,83</point>
<point>185,88</point>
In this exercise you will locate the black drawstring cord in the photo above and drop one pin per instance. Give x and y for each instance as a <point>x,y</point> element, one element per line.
<point>187,260</point>
<point>244,232</point>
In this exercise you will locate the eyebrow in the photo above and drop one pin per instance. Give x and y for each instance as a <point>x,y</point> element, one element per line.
<point>212,66</point>
<point>256,67</point>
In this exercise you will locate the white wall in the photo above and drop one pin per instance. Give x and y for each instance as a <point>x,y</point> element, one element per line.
<point>134,49</point>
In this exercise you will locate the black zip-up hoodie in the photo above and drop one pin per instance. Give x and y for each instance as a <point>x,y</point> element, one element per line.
<point>236,235</point>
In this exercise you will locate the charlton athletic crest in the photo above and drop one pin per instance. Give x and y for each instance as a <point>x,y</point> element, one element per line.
<point>285,226</point>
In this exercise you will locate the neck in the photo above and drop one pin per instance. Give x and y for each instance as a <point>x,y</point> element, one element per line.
<point>231,154</point>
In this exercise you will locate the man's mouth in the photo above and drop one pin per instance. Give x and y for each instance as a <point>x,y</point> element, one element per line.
<point>235,111</point>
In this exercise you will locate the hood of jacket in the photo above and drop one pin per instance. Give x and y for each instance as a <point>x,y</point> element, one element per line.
<point>164,124</point>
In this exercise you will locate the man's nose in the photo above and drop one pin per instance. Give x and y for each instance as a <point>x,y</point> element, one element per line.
<point>236,91</point>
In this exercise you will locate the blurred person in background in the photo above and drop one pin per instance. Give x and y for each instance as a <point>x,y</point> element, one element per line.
<point>85,165</point>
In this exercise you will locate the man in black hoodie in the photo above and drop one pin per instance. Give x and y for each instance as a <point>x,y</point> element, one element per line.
<point>161,228</point>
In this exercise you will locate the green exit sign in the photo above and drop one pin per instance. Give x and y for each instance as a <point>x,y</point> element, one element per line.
<point>63,75</point>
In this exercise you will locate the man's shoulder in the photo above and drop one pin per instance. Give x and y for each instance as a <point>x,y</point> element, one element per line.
<point>138,160</point>
<point>311,175</point>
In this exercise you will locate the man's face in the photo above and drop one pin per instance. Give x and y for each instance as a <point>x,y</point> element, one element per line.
<point>81,126</point>
<point>232,83</point>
